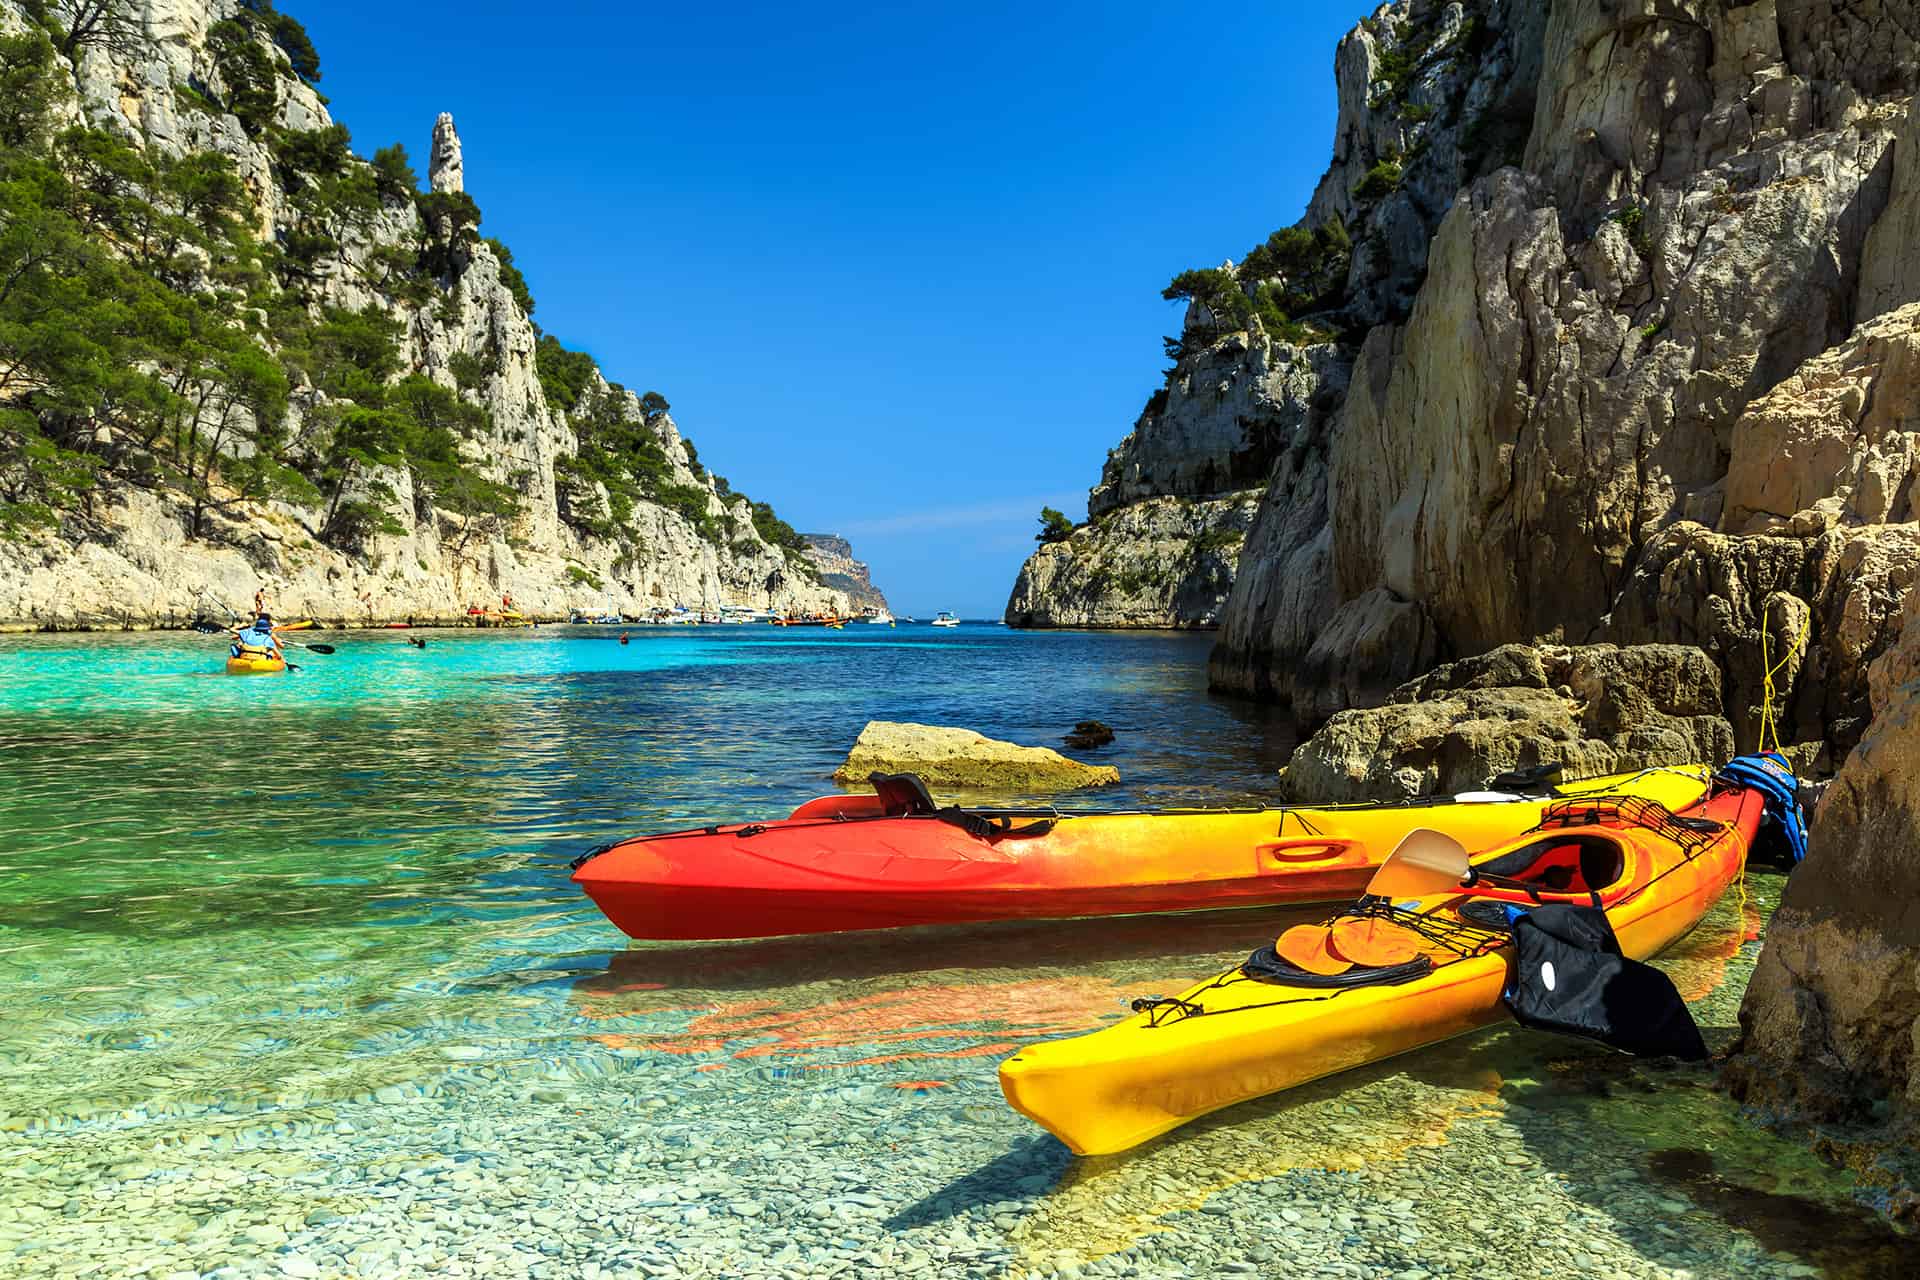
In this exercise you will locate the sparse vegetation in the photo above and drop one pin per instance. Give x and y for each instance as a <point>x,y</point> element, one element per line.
<point>1632,219</point>
<point>1054,526</point>
<point>247,72</point>
<point>510,276</point>
<point>1379,181</point>
<point>135,352</point>
<point>1217,540</point>
<point>1294,270</point>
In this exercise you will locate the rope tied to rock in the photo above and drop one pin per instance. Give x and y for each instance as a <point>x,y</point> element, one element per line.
<point>1769,723</point>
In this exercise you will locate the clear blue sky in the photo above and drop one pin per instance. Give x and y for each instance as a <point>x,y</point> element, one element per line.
<point>896,267</point>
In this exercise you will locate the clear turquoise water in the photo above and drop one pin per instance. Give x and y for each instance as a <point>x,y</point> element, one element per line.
<point>295,978</point>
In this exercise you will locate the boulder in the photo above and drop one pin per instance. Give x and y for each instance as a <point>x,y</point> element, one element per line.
<point>947,757</point>
<point>1592,709</point>
<point>1832,1015</point>
<point>1840,434</point>
<point>1089,733</point>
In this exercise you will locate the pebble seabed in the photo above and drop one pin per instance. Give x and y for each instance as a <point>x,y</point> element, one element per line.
<point>826,1107</point>
<point>328,1006</point>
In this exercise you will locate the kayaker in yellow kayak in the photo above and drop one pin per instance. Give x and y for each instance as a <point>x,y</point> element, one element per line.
<point>257,641</point>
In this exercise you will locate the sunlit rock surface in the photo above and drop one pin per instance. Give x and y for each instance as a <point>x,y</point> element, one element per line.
<point>963,759</point>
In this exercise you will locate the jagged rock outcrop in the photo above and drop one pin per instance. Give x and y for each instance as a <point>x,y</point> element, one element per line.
<point>1629,401</point>
<point>1177,495</point>
<point>445,169</point>
<point>1594,709</point>
<point>128,558</point>
<point>832,558</point>
<point>963,759</point>
<point>1832,1016</point>
<point>1161,562</point>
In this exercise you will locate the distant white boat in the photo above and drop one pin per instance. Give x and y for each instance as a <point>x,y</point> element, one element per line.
<point>945,619</point>
<point>879,618</point>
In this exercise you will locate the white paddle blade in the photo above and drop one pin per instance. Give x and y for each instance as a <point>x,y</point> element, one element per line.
<point>1423,862</point>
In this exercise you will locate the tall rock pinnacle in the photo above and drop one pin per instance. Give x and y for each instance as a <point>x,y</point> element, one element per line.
<point>444,171</point>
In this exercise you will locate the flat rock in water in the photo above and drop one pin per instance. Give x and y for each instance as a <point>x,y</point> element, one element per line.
<point>947,757</point>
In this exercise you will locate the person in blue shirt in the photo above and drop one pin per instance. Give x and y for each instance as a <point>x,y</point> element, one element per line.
<point>257,640</point>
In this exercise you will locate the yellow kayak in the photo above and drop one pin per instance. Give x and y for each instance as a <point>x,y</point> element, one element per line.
<point>1435,968</point>
<point>255,666</point>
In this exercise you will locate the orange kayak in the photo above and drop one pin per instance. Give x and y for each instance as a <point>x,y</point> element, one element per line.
<point>868,862</point>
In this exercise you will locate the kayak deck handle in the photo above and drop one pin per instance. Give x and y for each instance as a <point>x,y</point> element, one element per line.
<point>1306,849</point>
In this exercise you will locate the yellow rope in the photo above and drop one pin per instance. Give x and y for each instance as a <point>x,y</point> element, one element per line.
<point>1769,724</point>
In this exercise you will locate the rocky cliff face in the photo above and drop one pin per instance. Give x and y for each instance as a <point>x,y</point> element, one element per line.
<point>1649,383</point>
<point>586,536</point>
<point>1831,1019</point>
<point>1178,494</point>
<point>832,559</point>
<point>1430,95</point>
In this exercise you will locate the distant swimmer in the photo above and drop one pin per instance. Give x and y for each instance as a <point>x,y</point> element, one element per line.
<point>416,642</point>
<point>623,637</point>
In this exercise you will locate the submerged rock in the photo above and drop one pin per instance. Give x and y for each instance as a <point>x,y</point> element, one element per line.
<point>1592,708</point>
<point>947,757</point>
<point>1831,1018</point>
<point>1089,733</point>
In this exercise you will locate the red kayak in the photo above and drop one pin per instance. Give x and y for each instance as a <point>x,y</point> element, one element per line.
<point>895,858</point>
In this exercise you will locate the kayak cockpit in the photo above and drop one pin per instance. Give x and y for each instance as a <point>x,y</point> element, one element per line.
<point>1566,862</point>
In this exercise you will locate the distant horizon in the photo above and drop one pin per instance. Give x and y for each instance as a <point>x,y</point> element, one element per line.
<point>898,274</point>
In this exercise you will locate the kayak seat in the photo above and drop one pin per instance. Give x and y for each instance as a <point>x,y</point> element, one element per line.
<point>1580,863</point>
<point>1268,965</point>
<point>902,794</point>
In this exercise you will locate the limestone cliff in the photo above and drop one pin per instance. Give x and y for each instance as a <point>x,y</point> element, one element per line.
<point>1178,494</point>
<point>1832,1016</point>
<point>1243,423</point>
<point>591,500</point>
<point>1640,375</point>
<point>832,558</point>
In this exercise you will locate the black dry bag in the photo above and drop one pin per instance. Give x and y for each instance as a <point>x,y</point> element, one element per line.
<point>1569,976</point>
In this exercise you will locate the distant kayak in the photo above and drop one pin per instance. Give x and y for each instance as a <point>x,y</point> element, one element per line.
<point>891,859</point>
<point>255,666</point>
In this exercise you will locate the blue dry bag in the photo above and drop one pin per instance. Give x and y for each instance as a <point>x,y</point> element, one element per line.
<point>1768,773</point>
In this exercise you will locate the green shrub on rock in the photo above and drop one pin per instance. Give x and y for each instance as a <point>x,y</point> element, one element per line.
<point>1381,180</point>
<point>246,70</point>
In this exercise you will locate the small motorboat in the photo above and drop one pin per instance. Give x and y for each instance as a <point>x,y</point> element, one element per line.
<point>945,619</point>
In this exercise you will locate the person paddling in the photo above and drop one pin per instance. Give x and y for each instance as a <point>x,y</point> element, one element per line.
<point>257,641</point>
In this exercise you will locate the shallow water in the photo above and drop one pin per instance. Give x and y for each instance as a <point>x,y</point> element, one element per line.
<point>297,984</point>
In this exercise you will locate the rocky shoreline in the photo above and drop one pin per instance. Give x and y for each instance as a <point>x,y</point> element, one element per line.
<point>525,470</point>
<point>1604,451</point>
